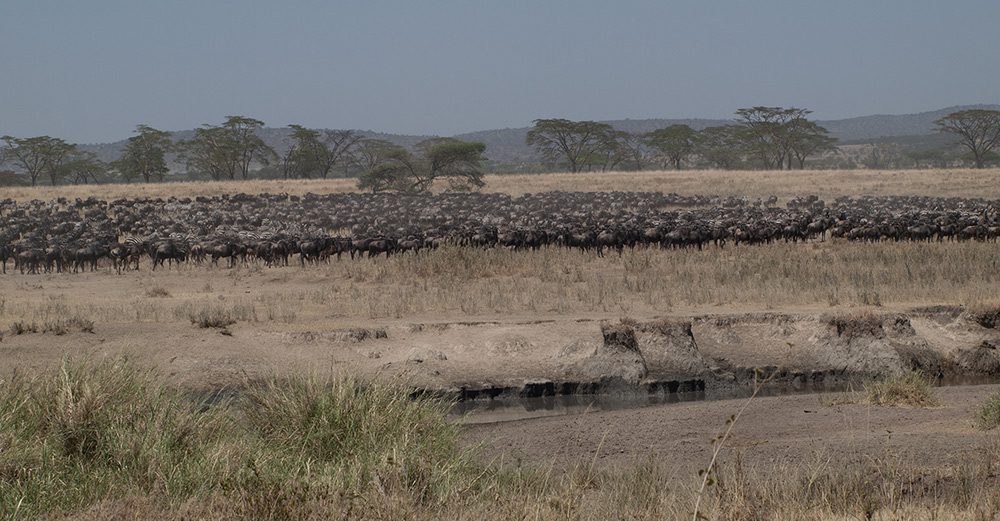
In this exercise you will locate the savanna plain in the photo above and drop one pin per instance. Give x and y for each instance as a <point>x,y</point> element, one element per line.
<point>328,390</point>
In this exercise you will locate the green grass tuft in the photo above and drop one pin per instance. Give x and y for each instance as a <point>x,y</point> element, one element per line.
<point>989,414</point>
<point>910,389</point>
<point>104,432</point>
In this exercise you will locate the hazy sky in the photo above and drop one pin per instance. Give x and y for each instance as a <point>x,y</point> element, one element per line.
<point>89,71</point>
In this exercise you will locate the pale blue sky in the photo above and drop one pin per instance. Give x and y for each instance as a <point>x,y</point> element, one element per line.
<point>89,71</point>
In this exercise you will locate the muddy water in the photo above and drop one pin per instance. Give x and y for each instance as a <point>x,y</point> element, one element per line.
<point>513,409</point>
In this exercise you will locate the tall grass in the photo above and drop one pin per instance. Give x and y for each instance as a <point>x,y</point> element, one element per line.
<point>103,431</point>
<point>90,431</point>
<point>989,413</point>
<point>910,389</point>
<point>475,282</point>
<point>106,440</point>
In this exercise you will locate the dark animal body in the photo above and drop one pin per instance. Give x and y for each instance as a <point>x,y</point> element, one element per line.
<point>52,236</point>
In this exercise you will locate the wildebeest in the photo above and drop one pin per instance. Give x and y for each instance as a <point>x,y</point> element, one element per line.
<point>5,253</point>
<point>267,229</point>
<point>169,251</point>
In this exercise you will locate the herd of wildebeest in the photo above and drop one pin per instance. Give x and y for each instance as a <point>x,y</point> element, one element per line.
<point>89,234</point>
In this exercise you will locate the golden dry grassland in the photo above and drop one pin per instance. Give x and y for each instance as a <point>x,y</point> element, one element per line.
<point>825,183</point>
<point>464,282</point>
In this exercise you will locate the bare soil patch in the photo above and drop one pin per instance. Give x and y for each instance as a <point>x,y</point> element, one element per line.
<point>785,431</point>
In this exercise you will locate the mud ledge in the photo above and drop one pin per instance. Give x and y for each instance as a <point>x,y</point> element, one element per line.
<point>718,353</point>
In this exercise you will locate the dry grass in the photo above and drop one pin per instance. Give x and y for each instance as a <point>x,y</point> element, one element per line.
<point>478,283</point>
<point>100,441</point>
<point>989,414</point>
<point>212,315</point>
<point>157,292</point>
<point>910,389</point>
<point>825,183</point>
<point>56,326</point>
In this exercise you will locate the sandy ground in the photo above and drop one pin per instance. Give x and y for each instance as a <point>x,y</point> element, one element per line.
<point>513,351</point>
<point>773,432</point>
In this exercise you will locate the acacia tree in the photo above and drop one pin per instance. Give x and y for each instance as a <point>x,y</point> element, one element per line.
<point>574,141</point>
<point>977,129</point>
<point>723,146</point>
<point>369,153</point>
<point>83,167</point>
<point>314,152</point>
<point>805,138</point>
<point>613,150</point>
<point>145,155</point>
<point>208,152</point>
<point>882,155</point>
<point>246,147</point>
<point>337,147</point>
<point>228,150</point>
<point>37,156</point>
<point>674,144</point>
<point>777,135</point>
<point>300,160</point>
<point>766,132</point>
<point>634,147</point>
<point>457,161</point>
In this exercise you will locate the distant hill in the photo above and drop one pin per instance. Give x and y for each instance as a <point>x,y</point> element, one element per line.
<point>886,126</point>
<point>506,146</point>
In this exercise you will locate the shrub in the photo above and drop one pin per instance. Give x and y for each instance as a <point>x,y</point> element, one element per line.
<point>85,325</point>
<point>212,317</point>
<point>56,327</point>
<point>989,413</point>
<point>157,292</point>
<point>217,316</point>
<point>63,326</point>
<point>20,327</point>
<point>910,389</point>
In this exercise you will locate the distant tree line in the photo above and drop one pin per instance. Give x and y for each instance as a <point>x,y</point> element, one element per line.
<point>234,150</point>
<point>759,137</point>
<point>770,138</point>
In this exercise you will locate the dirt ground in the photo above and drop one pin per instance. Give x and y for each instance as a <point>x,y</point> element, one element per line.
<point>789,431</point>
<point>522,317</point>
<point>515,350</point>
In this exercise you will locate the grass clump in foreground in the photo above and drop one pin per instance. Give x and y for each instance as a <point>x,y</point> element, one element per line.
<point>989,413</point>
<point>217,316</point>
<point>98,432</point>
<point>107,440</point>
<point>910,389</point>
